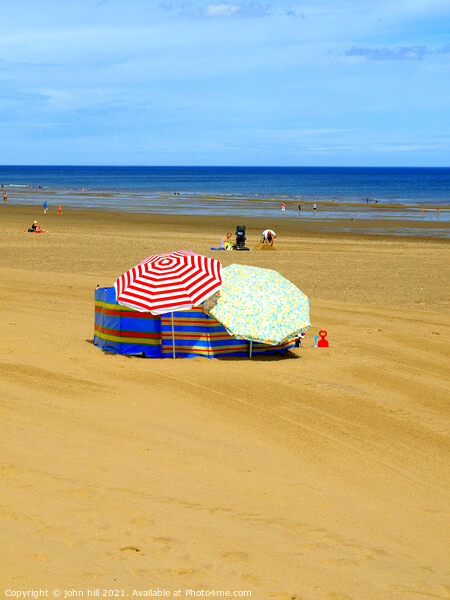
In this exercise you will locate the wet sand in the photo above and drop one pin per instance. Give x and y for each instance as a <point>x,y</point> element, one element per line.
<point>322,474</point>
<point>331,216</point>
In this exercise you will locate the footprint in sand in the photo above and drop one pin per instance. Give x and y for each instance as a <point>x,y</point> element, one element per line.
<point>251,579</point>
<point>426,570</point>
<point>60,533</point>
<point>8,470</point>
<point>362,553</point>
<point>79,493</point>
<point>164,540</point>
<point>131,549</point>
<point>236,555</point>
<point>198,574</point>
<point>341,562</point>
<point>160,546</point>
<point>444,589</point>
<point>142,521</point>
<point>286,596</point>
<point>39,557</point>
<point>138,572</point>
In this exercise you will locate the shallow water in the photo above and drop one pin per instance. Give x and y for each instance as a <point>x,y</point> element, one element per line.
<point>225,205</point>
<point>345,218</point>
<point>415,186</point>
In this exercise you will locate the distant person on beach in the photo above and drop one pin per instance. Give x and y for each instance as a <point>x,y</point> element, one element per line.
<point>36,228</point>
<point>59,209</point>
<point>283,207</point>
<point>45,207</point>
<point>5,198</point>
<point>225,242</point>
<point>299,208</point>
<point>437,212</point>
<point>269,236</point>
<point>422,211</point>
<point>314,208</point>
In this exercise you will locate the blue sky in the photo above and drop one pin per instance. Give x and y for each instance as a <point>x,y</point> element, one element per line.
<point>137,82</point>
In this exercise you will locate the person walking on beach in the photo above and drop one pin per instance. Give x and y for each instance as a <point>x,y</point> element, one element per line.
<point>283,207</point>
<point>314,208</point>
<point>5,198</point>
<point>59,209</point>
<point>422,211</point>
<point>299,208</point>
<point>45,207</point>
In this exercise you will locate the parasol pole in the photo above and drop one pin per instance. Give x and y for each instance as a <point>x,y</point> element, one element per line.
<point>250,349</point>
<point>173,338</point>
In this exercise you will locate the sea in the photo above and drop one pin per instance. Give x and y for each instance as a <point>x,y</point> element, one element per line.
<point>397,193</point>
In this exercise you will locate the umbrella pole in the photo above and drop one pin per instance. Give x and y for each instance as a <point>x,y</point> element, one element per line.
<point>173,338</point>
<point>250,349</point>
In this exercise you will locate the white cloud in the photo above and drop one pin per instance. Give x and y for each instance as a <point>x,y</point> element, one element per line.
<point>292,134</point>
<point>222,10</point>
<point>218,10</point>
<point>397,53</point>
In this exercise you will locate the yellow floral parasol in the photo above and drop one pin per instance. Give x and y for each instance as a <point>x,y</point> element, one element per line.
<point>259,305</point>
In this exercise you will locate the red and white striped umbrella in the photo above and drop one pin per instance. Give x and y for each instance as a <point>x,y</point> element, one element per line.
<point>168,282</point>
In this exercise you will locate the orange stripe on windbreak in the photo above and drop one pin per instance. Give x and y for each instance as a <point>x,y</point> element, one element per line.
<point>194,337</point>
<point>204,351</point>
<point>187,350</point>
<point>167,322</point>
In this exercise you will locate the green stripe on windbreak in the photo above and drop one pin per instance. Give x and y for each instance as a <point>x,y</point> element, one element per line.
<point>127,340</point>
<point>113,306</point>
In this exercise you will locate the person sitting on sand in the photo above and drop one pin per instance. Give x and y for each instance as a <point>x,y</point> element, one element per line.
<point>269,236</point>
<point>36,228</point>
<point>225,242</point>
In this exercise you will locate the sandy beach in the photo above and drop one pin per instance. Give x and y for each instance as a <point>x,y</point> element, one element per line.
<point>321,474</point>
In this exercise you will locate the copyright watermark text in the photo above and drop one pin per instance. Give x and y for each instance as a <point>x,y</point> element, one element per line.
<point>65,594</point>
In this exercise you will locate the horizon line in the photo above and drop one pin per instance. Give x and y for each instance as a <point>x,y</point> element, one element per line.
<point>229,166</point>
